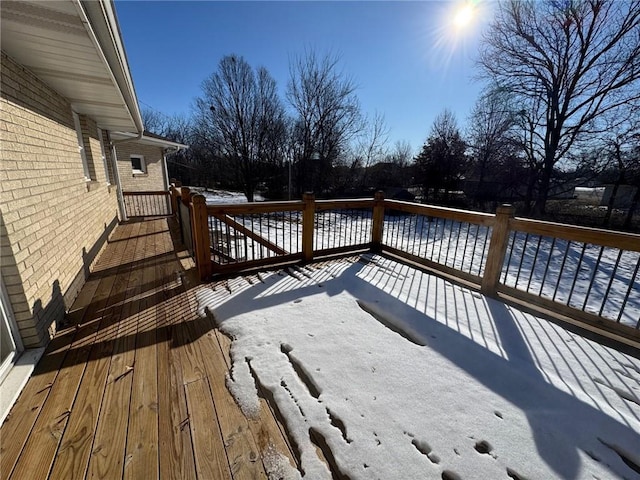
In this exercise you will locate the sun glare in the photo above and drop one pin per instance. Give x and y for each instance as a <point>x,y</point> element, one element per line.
<point>455,31</point>
<point>463,15</point>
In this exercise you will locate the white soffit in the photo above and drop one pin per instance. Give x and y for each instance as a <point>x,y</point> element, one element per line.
<point>50,39</point>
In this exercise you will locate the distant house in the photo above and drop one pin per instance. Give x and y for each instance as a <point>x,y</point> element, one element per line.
<point>142,162</point>
<point>72,141</point>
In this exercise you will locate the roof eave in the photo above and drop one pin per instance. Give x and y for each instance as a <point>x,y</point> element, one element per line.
<point>102,25</point>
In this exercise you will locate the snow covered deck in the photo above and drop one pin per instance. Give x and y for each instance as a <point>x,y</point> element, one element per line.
<point>370,368</point>
<point>394,373</point>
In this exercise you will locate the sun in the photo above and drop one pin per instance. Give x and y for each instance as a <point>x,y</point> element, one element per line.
<point>463,15</point>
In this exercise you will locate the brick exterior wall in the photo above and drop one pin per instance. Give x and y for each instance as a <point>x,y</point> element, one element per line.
<point>152,179</point>
<point>54,223</point>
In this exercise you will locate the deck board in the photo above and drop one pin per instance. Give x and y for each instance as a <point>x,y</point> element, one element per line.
<point>134,384</point>
<point>141,457</point>
<point>242,449</point>
<point>52,420</point>
<point>107,455</point>
<point>73,454</point>
<point>175,447</point>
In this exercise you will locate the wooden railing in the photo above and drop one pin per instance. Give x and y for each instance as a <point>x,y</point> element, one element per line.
<point>147,204</point>
<point>589,276</point>
<point>586,274</point>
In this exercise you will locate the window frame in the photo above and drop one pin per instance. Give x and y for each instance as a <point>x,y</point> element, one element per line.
<point>81,146</point>
<point>104,156</point>
<point>143,164</point>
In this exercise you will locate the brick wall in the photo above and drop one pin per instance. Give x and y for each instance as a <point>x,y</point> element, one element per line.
<point>54,223</point>
<point>152,179</point>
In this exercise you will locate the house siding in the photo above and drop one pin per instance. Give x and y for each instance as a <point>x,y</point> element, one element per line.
<point>153,179</point>
<point>54,222</point>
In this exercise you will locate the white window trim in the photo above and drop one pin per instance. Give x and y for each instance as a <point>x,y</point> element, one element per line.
<point>104,157</point>
<point>83,154</point>
<point>143,165</point>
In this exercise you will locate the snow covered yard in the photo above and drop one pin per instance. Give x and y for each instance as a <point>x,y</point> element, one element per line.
<point>225,196</point>
<point>395,373</point>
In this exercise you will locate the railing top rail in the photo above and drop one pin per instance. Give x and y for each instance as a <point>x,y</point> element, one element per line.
<point>596,236</point>
<point>480,218</point>
<point>344,203</point>
<point>255,207</point>
<point>150,192</point>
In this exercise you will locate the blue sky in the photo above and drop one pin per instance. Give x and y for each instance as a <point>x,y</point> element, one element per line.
<point>407,60</point>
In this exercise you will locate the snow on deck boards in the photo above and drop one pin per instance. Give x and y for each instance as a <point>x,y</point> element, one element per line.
<point>134,385</point>
<point>395,373</point>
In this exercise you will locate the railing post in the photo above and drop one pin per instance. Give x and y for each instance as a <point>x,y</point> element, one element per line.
<point>308,220</point>
<point>174,200</point>
<point>377,222</point>
<point>185,195</point>
<point>497,249</point>
<point>201,239</point>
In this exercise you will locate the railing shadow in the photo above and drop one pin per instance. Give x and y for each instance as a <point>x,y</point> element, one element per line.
<point>498,353</point>
<point>511,368</point>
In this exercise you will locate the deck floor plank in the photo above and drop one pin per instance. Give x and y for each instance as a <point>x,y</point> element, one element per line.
<point>175,446</point>
<point>209,450</point>
<point>134,384</point>
<point>50,425</point>
<point>267,428</point>
<point>73,455</point>
<point>141,458</point>
<point>24,413</point>
<point>242,449</point>
<point>107,456</point>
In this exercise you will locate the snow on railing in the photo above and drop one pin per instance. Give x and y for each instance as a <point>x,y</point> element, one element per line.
<point>588,275</point>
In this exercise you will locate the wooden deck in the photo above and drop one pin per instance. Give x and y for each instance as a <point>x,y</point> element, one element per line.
<point>133,386</point>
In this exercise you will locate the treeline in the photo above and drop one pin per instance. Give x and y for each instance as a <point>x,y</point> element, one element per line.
<point>561,109</point>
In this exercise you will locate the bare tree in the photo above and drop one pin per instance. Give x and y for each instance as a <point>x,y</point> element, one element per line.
<point>327,117</point>
<point>243,116</point>
<point>579,58</point>
<point>371,146</point>
<point>490,137</point>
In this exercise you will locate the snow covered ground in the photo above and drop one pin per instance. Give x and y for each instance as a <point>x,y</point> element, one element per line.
<point>397,374</point>
<point>226,196</point>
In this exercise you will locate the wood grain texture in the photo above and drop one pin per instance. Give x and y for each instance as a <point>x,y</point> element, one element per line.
<point>107,454</point>
<point>595,236</point>
<point>134,386</point>
<point>174,446</point>
<point>209,451</point>
<point>242,450</point>
<point>44,440</point>
<point>141,456</point>
<point>267,430</point>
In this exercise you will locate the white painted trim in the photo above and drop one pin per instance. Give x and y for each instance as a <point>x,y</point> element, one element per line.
<point>104,156</point>
<point>17,378</point>
<point>81,147</point>
<point>143,164</point>
<point>145,140</point>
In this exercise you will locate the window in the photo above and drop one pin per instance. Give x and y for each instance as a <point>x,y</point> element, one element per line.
<point>137,164</point>
<point>83,153</point>
<point>104,157</point>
